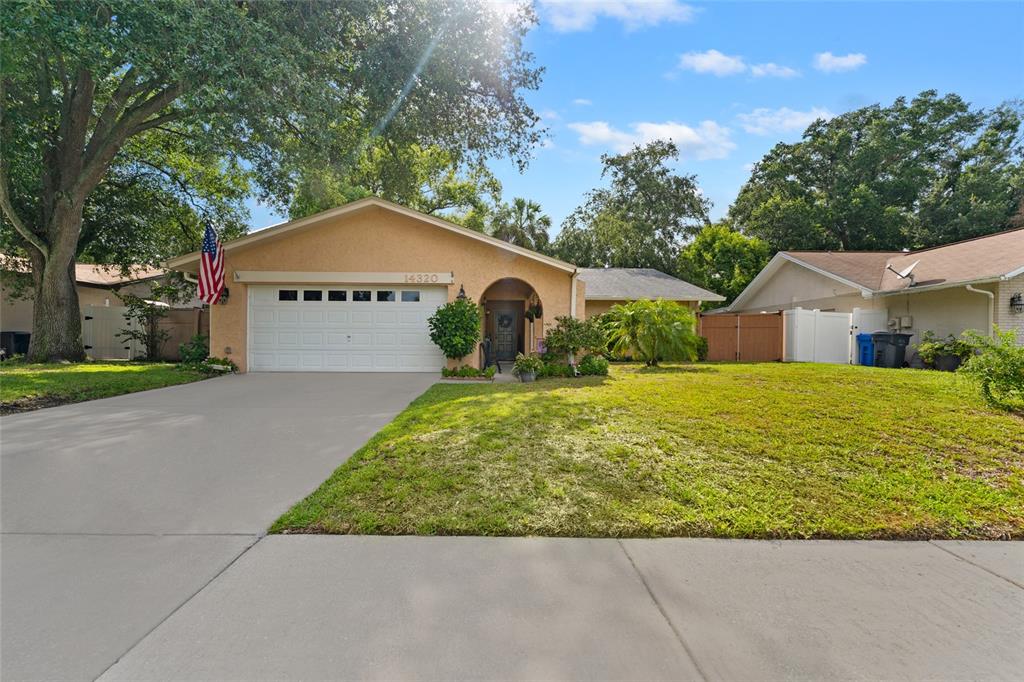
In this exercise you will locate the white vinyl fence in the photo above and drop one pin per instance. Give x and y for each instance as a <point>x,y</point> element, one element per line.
<point>100,326</point>
<point>814,336</point>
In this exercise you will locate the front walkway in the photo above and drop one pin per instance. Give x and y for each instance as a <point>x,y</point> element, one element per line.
<point>387,608</point>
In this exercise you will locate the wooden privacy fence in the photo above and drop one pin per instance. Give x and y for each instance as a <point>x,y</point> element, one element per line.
<point>747,338</point>
<point>183,324</point>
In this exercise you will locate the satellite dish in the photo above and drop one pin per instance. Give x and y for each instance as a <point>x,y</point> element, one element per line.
<point>905,273</point>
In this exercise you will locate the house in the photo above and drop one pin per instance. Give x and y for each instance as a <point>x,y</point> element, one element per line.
<point>947,289</point>
<point>611,286</point>
<point>97,286</point>
<point>351,289</point>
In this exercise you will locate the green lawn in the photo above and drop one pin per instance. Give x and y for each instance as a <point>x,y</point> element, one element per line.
<point>728,450</point>
<point>25,387</point>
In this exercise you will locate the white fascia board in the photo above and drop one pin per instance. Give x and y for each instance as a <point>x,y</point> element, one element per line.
<point>1013,273</point>
<point>937,287</point>
<point>287,277</point>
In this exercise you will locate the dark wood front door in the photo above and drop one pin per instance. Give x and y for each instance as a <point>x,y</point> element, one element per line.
<point>507,323</point>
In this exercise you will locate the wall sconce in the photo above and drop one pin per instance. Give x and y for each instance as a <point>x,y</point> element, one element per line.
<point>462,293</point>
<point>1017,303</point>
<point>224,294</point>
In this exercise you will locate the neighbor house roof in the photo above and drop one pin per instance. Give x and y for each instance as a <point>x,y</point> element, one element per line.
<point>981,259</point>
<point>190,261</point>
<point>89,274</point>
<point>630,284</point>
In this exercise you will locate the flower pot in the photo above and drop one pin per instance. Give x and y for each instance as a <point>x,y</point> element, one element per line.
<point>947,363</point>
<point>527,377</point>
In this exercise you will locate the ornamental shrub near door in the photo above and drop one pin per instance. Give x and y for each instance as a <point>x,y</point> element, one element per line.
<point>455,328</point>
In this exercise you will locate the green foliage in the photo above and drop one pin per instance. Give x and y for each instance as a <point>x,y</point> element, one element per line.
<point>702,348</point>
<point>521,223</point>
<point>468,372</point>
<point>194,350</point>
<point>143,317</point>
<point>571,335</point>
<point>722,260</point>
<point>652,331</point>
<point>998,368</point>
<point>527,364</point>
<point>910,175</point>
<point>593,365</point>
<point>641,219</point>
<point>213,365</point>
<point>455,328</point>
<point>932,347</point>
<point>553,368</point>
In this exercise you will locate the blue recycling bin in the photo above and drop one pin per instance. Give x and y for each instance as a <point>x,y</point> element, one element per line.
<point>866,350</point>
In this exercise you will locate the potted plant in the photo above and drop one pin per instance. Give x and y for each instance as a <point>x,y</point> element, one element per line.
<point>945,355</point>
<point>526,367</point>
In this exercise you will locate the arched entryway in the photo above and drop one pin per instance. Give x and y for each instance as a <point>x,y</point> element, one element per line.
<point>512,318</point>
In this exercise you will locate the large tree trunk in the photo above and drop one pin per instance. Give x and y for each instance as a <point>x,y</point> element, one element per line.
<point>56,320</point>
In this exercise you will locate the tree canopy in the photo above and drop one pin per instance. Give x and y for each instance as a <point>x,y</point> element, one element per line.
<point>194,103</point>
<point>723,260</point>
<point>914,174</point>
<point>641,218</point>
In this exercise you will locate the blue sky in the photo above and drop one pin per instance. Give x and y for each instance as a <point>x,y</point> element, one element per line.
<point>727,81</point>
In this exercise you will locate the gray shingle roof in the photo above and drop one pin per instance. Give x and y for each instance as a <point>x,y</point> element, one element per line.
<point>630,284</point>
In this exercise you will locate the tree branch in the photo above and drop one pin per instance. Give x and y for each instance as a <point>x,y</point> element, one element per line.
<point>8,208</point>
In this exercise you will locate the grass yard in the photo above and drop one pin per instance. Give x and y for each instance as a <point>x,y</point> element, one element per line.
<point>723,450</point>
<point>28,387</point>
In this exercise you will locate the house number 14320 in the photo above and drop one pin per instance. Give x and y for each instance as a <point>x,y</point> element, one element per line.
<point>421,278</point>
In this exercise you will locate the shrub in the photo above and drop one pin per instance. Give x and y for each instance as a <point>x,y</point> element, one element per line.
<point>556,369</point>
<point>490,371</point>
<point>998,368</point>
<point>210,366</point>
<point>594,365</point>
<point>571,335</point>
<point>195,349</point>
<point>652,331</point>
<point>527,364</point>
<point>702,348</point>
<point>143,317</point>
<point>455,328</point>
<point>931,347</point>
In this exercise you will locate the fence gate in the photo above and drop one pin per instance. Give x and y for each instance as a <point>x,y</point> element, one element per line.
<point>746,338</point>
<point>100,326</point>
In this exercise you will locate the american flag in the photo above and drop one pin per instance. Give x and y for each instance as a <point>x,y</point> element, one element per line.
<point>211,268</point>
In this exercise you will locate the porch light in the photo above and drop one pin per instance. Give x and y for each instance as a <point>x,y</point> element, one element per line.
<point>1017,303</point>
<point>462,293</point>
<point>224,296</point>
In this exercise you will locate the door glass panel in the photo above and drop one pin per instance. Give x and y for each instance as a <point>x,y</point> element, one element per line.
<point>361,295</point>
<point>337,295</point>
<point>410,297</point>
<point>312,295</point>
<point>287,294</point>
<point>383,296</point>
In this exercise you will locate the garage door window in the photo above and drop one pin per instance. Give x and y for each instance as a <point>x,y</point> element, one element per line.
<point>361,295</point>
<point>385,296</point>
<point>410,297</point>
<point>337,295</point>
<point>312,295</point>
<point>287,294</point>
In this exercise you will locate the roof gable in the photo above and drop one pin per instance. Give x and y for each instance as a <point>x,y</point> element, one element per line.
<point>311,222</point>
<point>630,284</point>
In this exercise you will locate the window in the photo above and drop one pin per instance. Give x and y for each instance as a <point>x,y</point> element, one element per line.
<point>336,295</point>
<point>385,296</point>
<point>360,295</point>
<point>287,294</point>
<point>410,297</point>
<point>312,295</point>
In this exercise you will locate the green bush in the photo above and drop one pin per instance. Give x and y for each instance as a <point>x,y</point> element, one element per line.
<point>702,348</point>
<point>998,368</point>
<point>571,335</point>
<point>455,328</point>
<point>593,365</point>
<point>195,349</point>
<point>490,371</point>
<point>527,364</point>
<point>931,347</point>
<point>467,372</point>
<point>555,369</point>
<point>652,331</point>
<point>210,366</point>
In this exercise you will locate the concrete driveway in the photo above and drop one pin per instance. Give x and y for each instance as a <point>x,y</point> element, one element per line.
<point>115,512</point>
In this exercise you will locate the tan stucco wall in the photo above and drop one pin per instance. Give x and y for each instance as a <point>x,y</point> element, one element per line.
<point>600,307</point>
<point>376,240</point>
<point>1005,319</point>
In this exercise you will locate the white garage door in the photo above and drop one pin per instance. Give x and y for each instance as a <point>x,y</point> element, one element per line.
<point>343,328</point>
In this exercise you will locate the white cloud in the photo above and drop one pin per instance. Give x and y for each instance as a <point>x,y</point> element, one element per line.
<point>549,115</point>
<point>773,70</point>
<point>829,63</point>
<point>766,121</point>
<point>712,61</point>
<point>566,16</point>
<point>707,140</point>
<point>581,102</point>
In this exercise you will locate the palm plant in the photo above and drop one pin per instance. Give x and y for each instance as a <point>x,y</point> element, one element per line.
<point>651,331</point>
<point>522,223</point>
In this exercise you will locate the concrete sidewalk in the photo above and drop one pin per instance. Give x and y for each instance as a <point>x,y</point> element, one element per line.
<point>323,607</point>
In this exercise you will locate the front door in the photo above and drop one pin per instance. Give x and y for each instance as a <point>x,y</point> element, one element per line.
<point>506,330</point>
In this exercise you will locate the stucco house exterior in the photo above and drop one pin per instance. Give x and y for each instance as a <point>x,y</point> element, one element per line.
<point>352,288</point>
<point>947,289</point>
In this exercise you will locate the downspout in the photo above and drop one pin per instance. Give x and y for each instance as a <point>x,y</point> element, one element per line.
<point>189,277</point>
<point>991,305</point>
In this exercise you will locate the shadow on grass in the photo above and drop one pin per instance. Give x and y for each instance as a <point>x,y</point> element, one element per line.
<point>677,369</point>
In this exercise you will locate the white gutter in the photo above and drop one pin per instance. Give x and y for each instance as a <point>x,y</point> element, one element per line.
<point>991,304</point>
<point>189,277</point>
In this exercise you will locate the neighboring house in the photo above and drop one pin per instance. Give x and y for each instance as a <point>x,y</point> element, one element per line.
<point>947,289</point>
<point>97,285</point>
<point>611,286</point>
<point>351,289</point>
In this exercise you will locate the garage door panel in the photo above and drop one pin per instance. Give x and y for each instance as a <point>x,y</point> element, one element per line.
<point>342,336</point>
